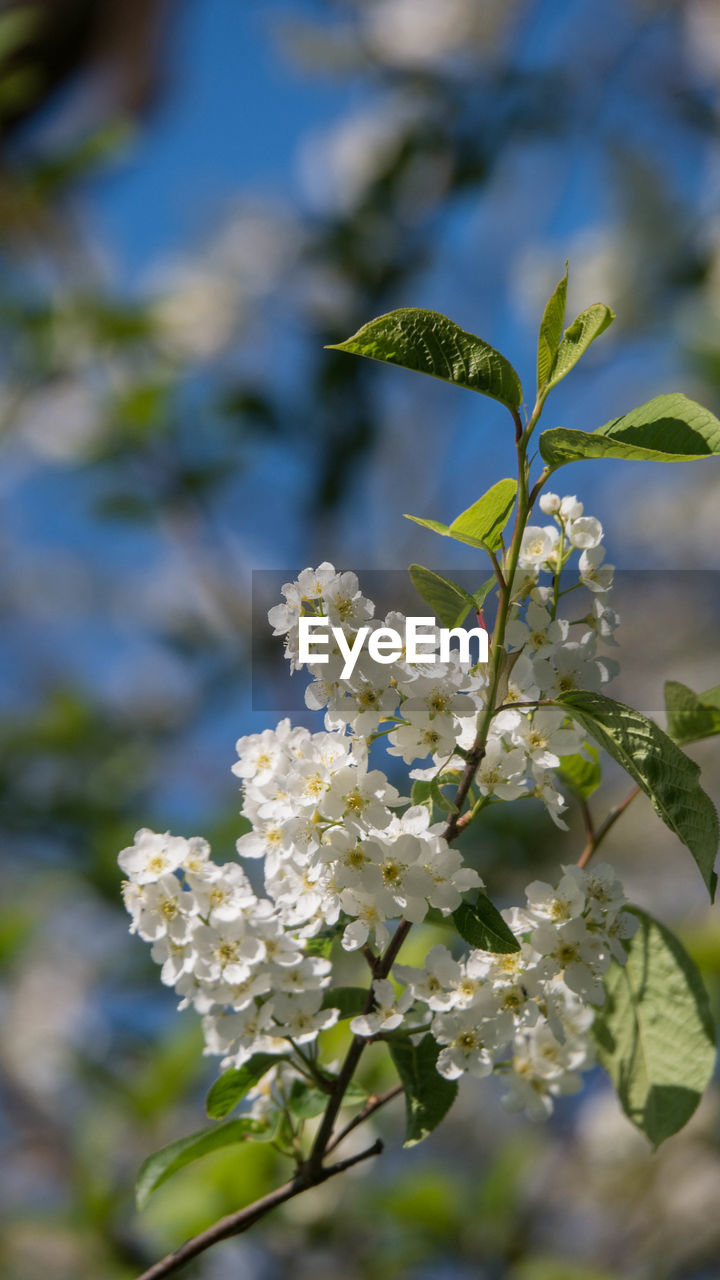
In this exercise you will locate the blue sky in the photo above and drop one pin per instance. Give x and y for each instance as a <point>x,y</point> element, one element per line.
<point>231,117</point>
<point>229,123</point>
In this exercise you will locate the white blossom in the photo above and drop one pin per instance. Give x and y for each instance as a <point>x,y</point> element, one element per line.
<point>341,853</point>
<point>387,1012</point>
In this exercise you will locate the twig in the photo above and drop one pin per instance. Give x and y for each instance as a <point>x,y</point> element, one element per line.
<point>354,1053</point>
<point>587,820</point>
<point>474,758</point>
<point>373,1104</point>
<point>235,1223</point>
<point>595,838</point>
<point>534,702</point>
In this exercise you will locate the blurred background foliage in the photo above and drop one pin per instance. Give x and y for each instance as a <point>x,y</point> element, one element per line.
<point>193,201</point>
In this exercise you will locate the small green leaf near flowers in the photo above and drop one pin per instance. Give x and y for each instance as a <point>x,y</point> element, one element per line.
<point>580,774</point>
<point>483,927</point>
<point>449,602</point>
<point>231,1087</point>
<point>428,1095</point>
<point>169,1160</point>
<point>691,716</point>
<point>482,524</point>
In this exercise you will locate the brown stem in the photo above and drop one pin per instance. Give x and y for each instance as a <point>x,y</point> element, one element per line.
<point>235,1223</point>
<point>588,823</point>
<point>373,1104</point>
<point>595,838</point>
<point>538,486</point>
<point>473,759</point>
<point>534,702</point>
<point>354,1053</point>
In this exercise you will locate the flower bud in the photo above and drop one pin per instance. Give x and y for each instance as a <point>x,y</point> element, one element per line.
<point>549,503</point>
<point>571,509</point>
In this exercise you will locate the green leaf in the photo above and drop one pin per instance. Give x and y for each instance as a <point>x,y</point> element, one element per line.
<point>164,1163</point>
<point>580,775</point>
<point>691,716</point>
<point>575,341</point>
<point>428,1095</point>
<point>655,1035</point>
<point>436,525</point>
<point>551,330</point>
<point>667,776</point>
<point>429,793</point>
<point>483,927</point>
<point>321,944</point>
<point>669,428</point>
<point>483,523</point>
<point>306,1102</point>
<point>449,602</point>
<point>350,1001</point>
<point>428,342</point>
<point>232,1085</point>
<point>443,802</point>
<point>422,793</point>
<point>480,595</point>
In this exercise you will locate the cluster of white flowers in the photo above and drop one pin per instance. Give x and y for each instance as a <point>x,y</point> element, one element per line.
<point>332,842</point>
<point>223,949</point>
<point>536,1001</point>
<point>549,547</point>
<point>431,710</point>
<point>332,847</point>
<point>345,855</point>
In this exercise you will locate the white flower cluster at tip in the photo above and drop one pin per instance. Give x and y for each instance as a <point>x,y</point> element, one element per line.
<point>342,849</point>
<point>535,1002</point>
<point>549,547</point>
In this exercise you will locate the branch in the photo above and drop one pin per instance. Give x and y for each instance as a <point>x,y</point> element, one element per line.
<point>588,823</point>
<point>354,1053</point>
<point>595,838</point>
<point>456,822</point>
<point>373,1104</point>
<point>235,1223</point>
